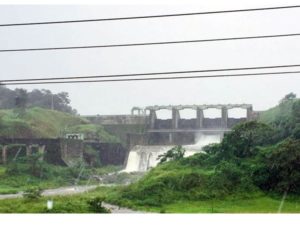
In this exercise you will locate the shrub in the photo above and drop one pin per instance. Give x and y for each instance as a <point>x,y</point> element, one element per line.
<point>95,205</point>
<point>175,153</point>
<point>91,156</point>
<point>279,167</point>
<point>32,193</point>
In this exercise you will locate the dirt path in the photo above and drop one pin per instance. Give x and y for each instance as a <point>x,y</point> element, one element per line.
<point>56,191</point>
<point>117,209</point>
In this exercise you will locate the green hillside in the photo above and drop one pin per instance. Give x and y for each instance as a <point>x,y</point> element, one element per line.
<point>43,123</point>
<point>279,112</point>
<point>285,118</point>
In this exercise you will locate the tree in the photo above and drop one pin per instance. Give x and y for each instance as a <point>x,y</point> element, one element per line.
<point>296,111</point>
<point>174,153</point>
<point>296,131</point>
<point>279,167</point>
<point>21,101</point>
<point>7,98</point>
<point>241,142</point>
<point>288,97</point>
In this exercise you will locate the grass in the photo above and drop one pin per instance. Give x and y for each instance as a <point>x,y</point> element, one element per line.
<point>62,204</point>
<point>93,131</point>
<point>106,169</point>
<point>255,203</point>
<point>44,123</point>
<point>55,176</point>
<point>11,184</point>
<point>259,203</point>
<point>263,204</point>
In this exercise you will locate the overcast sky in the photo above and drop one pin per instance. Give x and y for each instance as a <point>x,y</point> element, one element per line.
<point>120,97</point>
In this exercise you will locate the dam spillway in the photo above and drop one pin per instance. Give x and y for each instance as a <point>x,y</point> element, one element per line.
<point>143,157</point>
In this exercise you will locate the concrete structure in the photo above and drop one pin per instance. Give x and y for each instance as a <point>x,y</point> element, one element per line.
<point>139,110</point>
<point>10,151</point>
<point>177,130</point>
<point>145,121</point>
<point>199,112</point>
<point>117,119</point>
<point>147,116</point>
<point>77,136</point>
<point>65,152</point>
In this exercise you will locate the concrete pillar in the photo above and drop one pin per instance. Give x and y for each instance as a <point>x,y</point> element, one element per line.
<point>170,138</point>
<point>4,154</point>
<point>152,118</point>
<point>249,113</point>
<point>200,118</point>
<point>224,117</point>
<point>41,150</point>
<point>28,150</point>
<point>175,118</point>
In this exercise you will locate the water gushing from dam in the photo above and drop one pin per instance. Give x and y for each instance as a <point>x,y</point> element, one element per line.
<point>144,157</point>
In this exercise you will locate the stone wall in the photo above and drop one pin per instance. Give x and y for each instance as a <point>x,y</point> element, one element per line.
<point>109,153</point>
<point>52,149</point>
<point>71,151</point>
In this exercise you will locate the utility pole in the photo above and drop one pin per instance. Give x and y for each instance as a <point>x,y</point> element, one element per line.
<point>52,102</point>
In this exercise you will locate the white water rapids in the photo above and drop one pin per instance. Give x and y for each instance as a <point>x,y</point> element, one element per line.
<point>143,157</point>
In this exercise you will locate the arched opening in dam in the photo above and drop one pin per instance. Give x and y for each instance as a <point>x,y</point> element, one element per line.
<point>237,113</point>
<point>164,114</point>
<point>188,114</point>
<point>212,113</point>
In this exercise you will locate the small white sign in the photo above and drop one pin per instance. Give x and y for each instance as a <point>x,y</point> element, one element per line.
<point>49,204</point>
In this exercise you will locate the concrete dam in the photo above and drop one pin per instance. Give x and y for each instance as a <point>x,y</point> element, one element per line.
<point>146,136</point>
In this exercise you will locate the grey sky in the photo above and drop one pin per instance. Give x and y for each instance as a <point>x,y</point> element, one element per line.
<point>118,98</point>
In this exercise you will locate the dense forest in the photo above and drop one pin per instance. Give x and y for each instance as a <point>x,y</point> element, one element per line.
<point>10,99</point>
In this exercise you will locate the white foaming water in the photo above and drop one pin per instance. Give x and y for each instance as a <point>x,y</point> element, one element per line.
<point>144,157</point>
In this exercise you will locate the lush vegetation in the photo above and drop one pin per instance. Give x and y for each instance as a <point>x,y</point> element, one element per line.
<point>43,123</point>
<point>29,172</point>
<point>20,176</point>
<point>285,117</point>
<point>85,203</point>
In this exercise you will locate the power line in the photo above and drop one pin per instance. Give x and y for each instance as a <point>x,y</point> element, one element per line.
<point>153,74</point>
<point>150,43</point>
<point>150,16</point>
<point>155,78</point>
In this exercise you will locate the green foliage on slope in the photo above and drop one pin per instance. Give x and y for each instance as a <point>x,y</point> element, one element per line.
<point>43,123</point>
<point>285,118</point>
